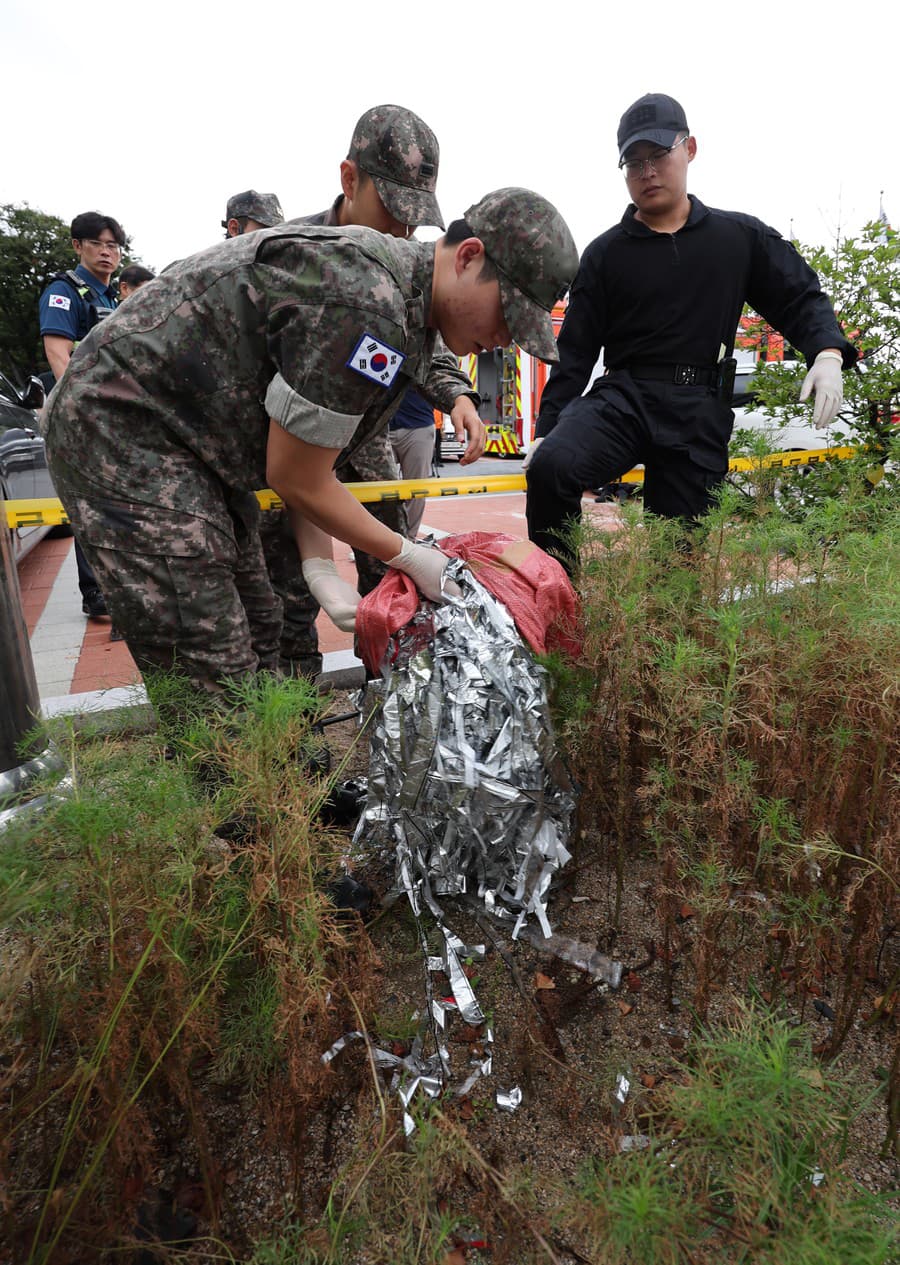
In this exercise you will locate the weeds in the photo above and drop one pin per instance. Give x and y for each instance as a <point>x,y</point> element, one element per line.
<point>173,969</point>
<point>743,1163</point>
<point>737,708</point>
<point>151,956</point>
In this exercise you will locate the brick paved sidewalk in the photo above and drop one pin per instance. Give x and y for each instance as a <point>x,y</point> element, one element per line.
<point>74,656</point>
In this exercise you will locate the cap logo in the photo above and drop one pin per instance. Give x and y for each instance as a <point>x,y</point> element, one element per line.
<point>643,114</point>
<point>426,170</point>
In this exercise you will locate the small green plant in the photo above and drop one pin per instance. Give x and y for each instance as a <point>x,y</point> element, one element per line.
<point>743,1162</point>
<point>397,1024</point>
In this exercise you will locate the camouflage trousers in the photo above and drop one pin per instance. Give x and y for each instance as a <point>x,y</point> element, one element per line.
<point>188,595</point>
<point>299,654</point>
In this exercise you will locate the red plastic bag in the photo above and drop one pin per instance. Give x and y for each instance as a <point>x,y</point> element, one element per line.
<point>532,586</point>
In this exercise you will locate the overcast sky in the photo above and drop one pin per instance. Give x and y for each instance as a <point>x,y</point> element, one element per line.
<point>156,113</point>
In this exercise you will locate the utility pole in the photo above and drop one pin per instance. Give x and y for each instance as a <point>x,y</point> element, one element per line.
<point>20,705</point>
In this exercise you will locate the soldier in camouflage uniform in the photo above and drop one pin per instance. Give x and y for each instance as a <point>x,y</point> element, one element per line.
<point>326,328</point>
<point>388,182</point>
<point>246,212</point>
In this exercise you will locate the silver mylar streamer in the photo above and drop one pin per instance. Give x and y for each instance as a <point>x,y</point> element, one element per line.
<point>466,787</point>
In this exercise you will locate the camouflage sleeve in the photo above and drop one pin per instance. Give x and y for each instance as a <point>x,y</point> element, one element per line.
<point>317,394</point>
<point>312,422</point>
<point>446,382</point>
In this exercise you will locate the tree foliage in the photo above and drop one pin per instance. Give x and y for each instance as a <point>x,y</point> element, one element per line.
<point>862,277</point>
<point>33,246</point>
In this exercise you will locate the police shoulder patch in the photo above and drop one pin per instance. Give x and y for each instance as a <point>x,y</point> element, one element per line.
<point>376,360</point>
<point>60,300</point>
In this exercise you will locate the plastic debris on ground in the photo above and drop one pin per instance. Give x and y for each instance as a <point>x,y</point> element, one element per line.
<point>468,792</point>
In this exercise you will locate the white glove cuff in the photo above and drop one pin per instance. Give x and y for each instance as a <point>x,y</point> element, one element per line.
<point>407,551</point>
<point>316,568</point>
<point>829,355</point>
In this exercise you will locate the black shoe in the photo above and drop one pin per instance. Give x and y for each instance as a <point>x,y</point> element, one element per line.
<point>94,605</point>
<point>351,897</point>
<point>115,635</point>
<point>345,803</point>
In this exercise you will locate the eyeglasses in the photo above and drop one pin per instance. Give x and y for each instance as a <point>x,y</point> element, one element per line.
<point>95,242</point>
<point>635,168</point>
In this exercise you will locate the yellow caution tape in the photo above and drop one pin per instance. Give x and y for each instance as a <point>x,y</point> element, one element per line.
<point>48,512</point>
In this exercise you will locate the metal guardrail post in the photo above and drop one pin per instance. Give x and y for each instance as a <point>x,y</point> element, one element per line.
<point>20,704</point>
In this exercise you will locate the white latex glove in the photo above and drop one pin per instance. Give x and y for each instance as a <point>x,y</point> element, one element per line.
<point>826,379</point>
<point>337,598</point>
<point>531,451</point>
<point>425,567</point>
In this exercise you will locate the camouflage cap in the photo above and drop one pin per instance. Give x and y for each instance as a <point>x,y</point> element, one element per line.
<point>529,242</point>
<point>401,154</point>
<point>262,207</point>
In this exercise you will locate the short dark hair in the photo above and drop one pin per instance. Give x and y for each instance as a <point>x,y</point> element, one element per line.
<point>135,275</point>
<point>92,224</point>
<point>457,232</point>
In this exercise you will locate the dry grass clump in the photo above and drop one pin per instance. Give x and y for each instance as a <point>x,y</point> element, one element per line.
<point>736,710</point>
<point>153,965</point>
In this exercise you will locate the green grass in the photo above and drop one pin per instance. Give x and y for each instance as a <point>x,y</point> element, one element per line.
<point>735,1143</point>
<point>155,971</point>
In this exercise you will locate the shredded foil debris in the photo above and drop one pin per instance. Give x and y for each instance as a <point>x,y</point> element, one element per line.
<point>468,791</point>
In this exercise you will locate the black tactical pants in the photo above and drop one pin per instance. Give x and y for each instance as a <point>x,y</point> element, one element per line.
<point>679,433</point>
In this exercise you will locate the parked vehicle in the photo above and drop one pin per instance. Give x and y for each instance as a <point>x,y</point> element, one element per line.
<point>451,447</point>
<point>786,434</point>
<point>23,461</point>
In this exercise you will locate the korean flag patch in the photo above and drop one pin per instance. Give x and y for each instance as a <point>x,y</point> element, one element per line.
<point>376,360</point>
<point>60,300</point>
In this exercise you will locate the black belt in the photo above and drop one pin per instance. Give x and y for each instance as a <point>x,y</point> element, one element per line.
<point>680,375</point>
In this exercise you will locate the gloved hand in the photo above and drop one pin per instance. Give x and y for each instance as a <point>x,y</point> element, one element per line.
<point>826,379</point>
<point>531,451</point>
<point>425,567</point>
<point>337,598</point>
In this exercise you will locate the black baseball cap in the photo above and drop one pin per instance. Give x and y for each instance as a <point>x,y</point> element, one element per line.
<point>654,117</point>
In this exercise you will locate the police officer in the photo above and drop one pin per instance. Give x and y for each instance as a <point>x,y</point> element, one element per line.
<point>388,182</point>
<point>661,293</point>
<point>72,304</point>
<point>156,430</point>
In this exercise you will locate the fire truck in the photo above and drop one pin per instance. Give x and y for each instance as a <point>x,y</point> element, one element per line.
<point>509,382</point>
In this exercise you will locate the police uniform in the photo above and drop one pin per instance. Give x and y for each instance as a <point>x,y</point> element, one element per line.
<point>664,308</point>
<point>167,406</point>
<point>65,311</point>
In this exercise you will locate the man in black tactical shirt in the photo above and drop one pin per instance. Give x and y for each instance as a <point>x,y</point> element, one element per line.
<point>661,294</point>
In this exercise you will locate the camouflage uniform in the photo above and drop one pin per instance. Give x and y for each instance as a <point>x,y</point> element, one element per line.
<point>371,460</point>
<point>392,145</point>
<point>167,404</point>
